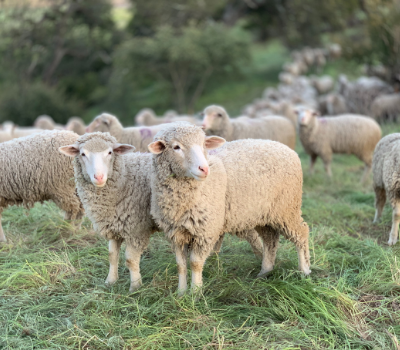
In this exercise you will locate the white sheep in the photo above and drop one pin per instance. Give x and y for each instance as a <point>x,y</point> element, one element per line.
<point>139,137</point>
<point>386,175</point>
<point>46,122</point>
<point>345,134</point>
<point>386,107</point>
<point>34,171</point>
<point>217,122</point>
<point>76,125</point>
<point>196,197</point>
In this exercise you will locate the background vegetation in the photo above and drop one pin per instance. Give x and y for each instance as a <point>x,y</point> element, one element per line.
<point>91,56</point>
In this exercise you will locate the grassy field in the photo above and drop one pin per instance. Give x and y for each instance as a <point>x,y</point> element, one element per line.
<point>52,292</point>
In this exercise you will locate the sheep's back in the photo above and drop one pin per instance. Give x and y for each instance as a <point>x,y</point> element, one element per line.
<point>34,170</point>
<point>264,183</point>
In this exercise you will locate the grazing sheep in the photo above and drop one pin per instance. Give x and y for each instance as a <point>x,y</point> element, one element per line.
<point>386,107</point>
<point>114,187</point>
<point>34,171</point>
<point>76,125</point>
<point>46,122</point>
<point>196,197</point>
<point>139,137</point>
<point>217,122</point>
<point>348,134</point>
<point>386,174</point>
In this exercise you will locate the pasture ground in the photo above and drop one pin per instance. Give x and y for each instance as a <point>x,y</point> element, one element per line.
<point>52,292</point>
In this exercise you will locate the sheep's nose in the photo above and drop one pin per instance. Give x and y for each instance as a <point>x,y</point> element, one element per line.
<point>203,126</point>
<point>99,177</point>
<point>204,169</point>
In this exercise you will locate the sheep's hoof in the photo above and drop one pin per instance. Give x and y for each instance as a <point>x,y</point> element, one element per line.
<point>306,271</point>
<point>110,281</point>
<point>264,273</point>
<point>181,293</point>
<point>3,240</point>
<point>392,242</point>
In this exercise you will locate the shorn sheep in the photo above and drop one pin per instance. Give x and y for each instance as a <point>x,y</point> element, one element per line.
<point>114,187</point>
<point>346,134</point>
<point>139,137</point>
<point>34,171</point>
<point>386,184</point>
<point>247,184</point>
<point>217,122</point>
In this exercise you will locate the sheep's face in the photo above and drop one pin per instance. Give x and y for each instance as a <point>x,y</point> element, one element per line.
<point>305,116</point>
<point>214,117</point>
<point>101,123</point>
<point>96,157</point>
<point>186,155</point>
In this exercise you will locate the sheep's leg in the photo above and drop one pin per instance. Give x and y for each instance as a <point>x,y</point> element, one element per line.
<point>114,247</point>
<point>380,200</point>
<point>367,171</point>
<point>181,261</point>
<point>255,241</point>
<point>270,239</point>
<point>197,260</point>
<point>303,254</point>
<point>132,262</point>
<point>2,235</point>
<point>327,166</point>
<point>394,233</point>
<point>217,247</point>
<point>313,159</point>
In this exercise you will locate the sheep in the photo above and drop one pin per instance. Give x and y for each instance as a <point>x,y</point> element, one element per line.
<point>114,187</point>
<point>140,137</point>
<point>34,171</point>
<point>217,122</point>
<point>323,84</point>
<point>286,78</point>
<point>386,177</point>
<point>147,117</point>
<point>386,107</point>
<point>196,197</point>
<point>332,104</point>
<point>348,133</point>
<point>76,125</point>
<point>335,50</point>
<point>46,122</point>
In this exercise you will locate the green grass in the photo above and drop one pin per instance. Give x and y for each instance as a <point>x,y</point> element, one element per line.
<point>52,292</point>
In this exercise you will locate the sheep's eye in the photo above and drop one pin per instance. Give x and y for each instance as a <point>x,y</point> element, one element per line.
<point>219,115</point>
<point>105,123</point>
<point>83,154</point>
<point>176,147</point>
<point>110,152</point>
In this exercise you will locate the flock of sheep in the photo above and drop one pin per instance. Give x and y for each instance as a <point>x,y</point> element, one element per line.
<point>196,179</point>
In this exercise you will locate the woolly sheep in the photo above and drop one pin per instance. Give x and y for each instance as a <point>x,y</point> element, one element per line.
<point>114,187</point>
<point>139,137</point>
<point>34,171</point>
<point>76,125</point>
<point>332,104</point>
<point>323,84</point>
<point>386,107</point>
<point>147,117</point>
<point>196,197</point>
<point>217,122</point>
<point>349,134</point>
<point>46,122</point>
<point>386,175</point>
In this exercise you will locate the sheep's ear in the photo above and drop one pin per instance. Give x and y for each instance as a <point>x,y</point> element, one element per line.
<point>120,149</point>
<point>157,147</point>
<point>213,142</point>
<point>70,151</point>
<point>316,114</point>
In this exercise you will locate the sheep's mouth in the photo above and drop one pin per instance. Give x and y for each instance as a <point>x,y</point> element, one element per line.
<point>99,184</point>
<point>199,177</point>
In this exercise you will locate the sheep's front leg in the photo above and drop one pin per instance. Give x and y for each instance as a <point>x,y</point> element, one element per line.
<point>270,239</point>
<point>133,255</point>
<point>394,233</point>
<point>380,200</point>
<point>313,159</point>
<point>114,247</point>
<point>2,236</point>
<point>197,260</point>
<point>181,261</point>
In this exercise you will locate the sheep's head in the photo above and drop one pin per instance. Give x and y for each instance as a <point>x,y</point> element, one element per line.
<point>145,116</point>
<point>214,117</point>
<point>102,123</point>
<point>183,146</point>
<point>96,154</point>
<point>44,122</point>
<point>305,115</point>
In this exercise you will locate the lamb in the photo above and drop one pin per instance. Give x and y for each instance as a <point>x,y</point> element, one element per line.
<point>348,133</point>
<point>34,171</point>
<point>386,174</point>
<point>217,122</point>
<point>139,137</point>
<point>114,187</point>
<point>196,197</point>
<point>386,107</point>
<point>76,125</point>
